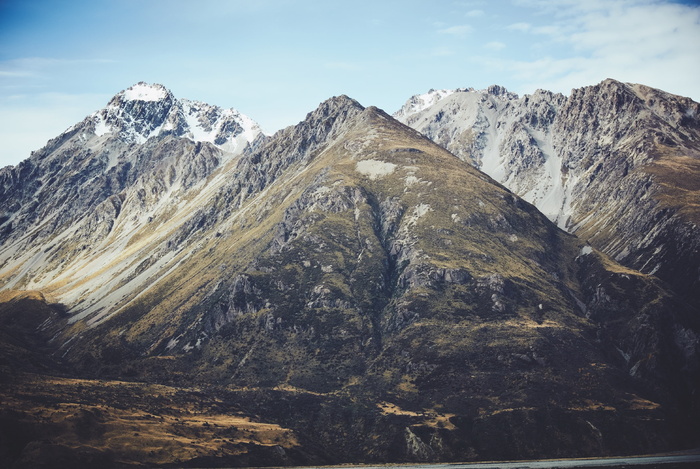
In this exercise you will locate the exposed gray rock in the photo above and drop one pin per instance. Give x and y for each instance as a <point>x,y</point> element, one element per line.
<point>598,163</point>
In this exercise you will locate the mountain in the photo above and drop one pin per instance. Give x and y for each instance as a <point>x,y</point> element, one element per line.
<point>144,111</point>
<point>616,164</point>
<point>345,290</point>
<point>83,197</point>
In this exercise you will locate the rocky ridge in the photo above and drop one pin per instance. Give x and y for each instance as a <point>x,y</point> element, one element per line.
<point>612,163</point>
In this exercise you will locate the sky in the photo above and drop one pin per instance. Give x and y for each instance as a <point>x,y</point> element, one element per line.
<point>276,60</point>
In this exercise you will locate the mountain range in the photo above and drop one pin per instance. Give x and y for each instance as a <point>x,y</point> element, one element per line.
<point>179,288</point>
<point>616,164</point>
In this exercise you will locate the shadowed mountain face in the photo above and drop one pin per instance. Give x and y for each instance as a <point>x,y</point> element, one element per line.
<point>347,286</point>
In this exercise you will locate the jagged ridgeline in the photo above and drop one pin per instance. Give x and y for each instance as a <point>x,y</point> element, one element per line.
<point>346,285</point>
<point>617,164</point>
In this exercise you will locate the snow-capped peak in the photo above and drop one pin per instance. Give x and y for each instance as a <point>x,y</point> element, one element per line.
<point>144,111</point>
<point>144,92</point>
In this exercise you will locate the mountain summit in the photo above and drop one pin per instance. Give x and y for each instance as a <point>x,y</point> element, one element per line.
<point>144,110</point>
<point>345,290</point>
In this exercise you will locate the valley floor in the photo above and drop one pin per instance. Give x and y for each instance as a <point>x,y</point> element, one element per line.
<point>53,422</point>
<point>56,422</point>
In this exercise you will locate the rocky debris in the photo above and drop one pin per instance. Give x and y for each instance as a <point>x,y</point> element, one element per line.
<point>457,276</point>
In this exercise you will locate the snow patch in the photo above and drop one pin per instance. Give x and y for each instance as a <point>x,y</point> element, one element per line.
<point>101,126</point>
<point>586,250</point>
<point>145,92</point>
<point>375,169</point>
<point>203,129</point>
<point>251,129</point>
<point>421,102</point>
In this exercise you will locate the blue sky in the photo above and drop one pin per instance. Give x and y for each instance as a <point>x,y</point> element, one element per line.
<point>276,60</point>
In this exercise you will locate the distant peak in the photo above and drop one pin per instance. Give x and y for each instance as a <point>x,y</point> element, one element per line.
<point>145,92</point>
<point>611,81</point>
<point>420,102</point>
<point>498,90</point>
<point>148,110</point>
<point>342,101</point>
<point>335,106</point>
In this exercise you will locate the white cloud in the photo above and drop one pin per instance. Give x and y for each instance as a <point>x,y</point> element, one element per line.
<point>441,52</point>
<point>474,13</point>
<point>494,46</point>
<point>522,27</point>
<point>347,66</point>
<point>641,41</point>
<point>458,31</point>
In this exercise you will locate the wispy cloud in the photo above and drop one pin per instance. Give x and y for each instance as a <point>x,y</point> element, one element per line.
<point>347,66</point>
<point>15,73</point>
<point>458,31</point>
<point>522,27</point>
<point>441,52</point>
<point>545,30</point>
<point>494,46</point>
<point>37,67</point>
<point>550,30</point>
<point>49,115</point>
<point>470,3</point>
<point>645,41</point>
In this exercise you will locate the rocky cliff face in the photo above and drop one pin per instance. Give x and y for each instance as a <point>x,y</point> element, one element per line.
<point>349,286</point>
<point>612,163</point>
